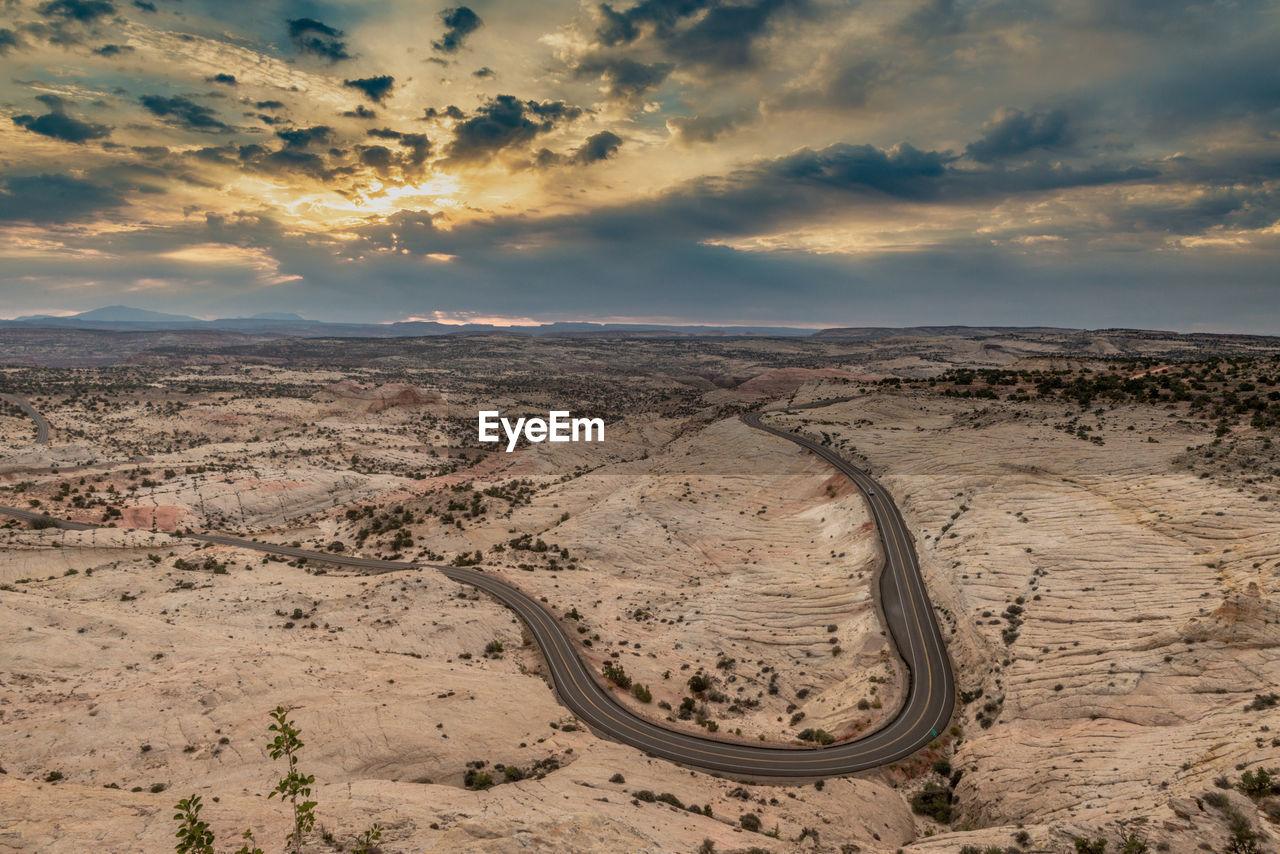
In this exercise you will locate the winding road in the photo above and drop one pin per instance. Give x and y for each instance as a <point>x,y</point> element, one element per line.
<point>42,426</point>
<point>903,599</point>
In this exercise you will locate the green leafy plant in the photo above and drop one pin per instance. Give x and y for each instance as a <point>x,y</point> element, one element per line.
<point>194,835</point>
<point>367,842</point>
<point>294,786</point>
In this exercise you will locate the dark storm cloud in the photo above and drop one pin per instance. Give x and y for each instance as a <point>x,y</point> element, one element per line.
<point>312,36</point>
<point>707,33</point>
<point>1243,83</point>
<point>113,49</point>
<point>377,157</point>
<point>662,15</point>
<point>183,111</point>
<point>360,112</point>
<point>145,5</point>
<point>1235,208</point>
<point>450,112</point>
<point>597,147</point>
<point>484,72</point>
<point>459,22</point>
<point>781,193</point>
<point>419,148</point>
<point>504,122</point>
<point>8,40</point>
<point>707,128</point>
<point>304,137</point>
<point>47,198</point>
<point>77,10</point>
<point>626,79</point>
<point>374,88</point>
<point>269,105</point>
<point>725,37</point>
<point>1012,132</point>
<point>58,125</point>
<point>224,79</point>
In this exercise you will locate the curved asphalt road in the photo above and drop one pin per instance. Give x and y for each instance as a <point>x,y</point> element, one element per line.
<point>904,601</point>
<point>42,426</point>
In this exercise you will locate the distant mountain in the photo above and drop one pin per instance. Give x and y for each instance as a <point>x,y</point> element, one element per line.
<point>125,314</point>
<point>875,333</point>
<point>119,318</point>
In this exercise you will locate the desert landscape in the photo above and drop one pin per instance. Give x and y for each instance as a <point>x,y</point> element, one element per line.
<point>1096,518</point>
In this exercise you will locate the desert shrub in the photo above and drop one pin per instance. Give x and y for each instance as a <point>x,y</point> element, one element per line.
<point>641,693</point>
<point>617,674</point>
<point>933,801</point>
<point>750,821</point>
<point>1258,784</point>
<point>1133,843</point>
<point>1262,701</point>
<point>1085,846</point>
<point>475,779</point>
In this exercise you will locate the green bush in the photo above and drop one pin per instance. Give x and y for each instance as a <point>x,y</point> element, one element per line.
<point>933,801</point>
<point>641,693</point>
<point>1258,784</point>
<point>474,779</point>
<point>750,821</point>
<point>1084,846</point>
<point>617,674</point>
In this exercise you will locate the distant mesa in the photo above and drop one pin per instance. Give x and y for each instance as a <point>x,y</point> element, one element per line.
<point>116,314</point>
<point>279,315</point>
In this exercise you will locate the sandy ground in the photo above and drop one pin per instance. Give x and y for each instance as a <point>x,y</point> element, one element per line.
<point>1148,622</point>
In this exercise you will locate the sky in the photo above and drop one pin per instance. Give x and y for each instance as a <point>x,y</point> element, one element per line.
<point>1090,163</point>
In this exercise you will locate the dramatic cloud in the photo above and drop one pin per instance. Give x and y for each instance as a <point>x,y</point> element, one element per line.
<point>77,10</point>
<point>693,129</point>
<point>183,111</point>
<point>626,79</point>
<point>1013,132</point>
<point>58,125</point>
<point>304,137</point>
<point>829,161</point>
<point>459,22</point>
<point>49,198</point>
<point>312,36</point>
<point>374,88</point>
<point>505,122</point>
<point>710,33</point>
<point>599,146</point>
